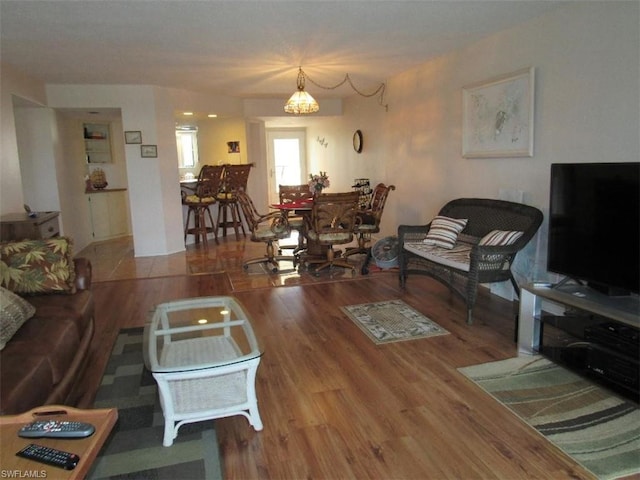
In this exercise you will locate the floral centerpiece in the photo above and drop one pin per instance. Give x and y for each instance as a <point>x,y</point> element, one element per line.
<point>317,182</point>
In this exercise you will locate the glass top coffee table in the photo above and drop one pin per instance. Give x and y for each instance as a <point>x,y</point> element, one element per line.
<point>204,356</point>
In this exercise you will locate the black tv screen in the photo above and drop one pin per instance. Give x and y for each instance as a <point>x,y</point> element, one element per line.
<point>594,224</point>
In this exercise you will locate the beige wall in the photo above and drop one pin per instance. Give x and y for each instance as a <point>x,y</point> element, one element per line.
<point>13,84</point>
<point>587,62</point>
<point>213,136</point>
<point>587,59</point>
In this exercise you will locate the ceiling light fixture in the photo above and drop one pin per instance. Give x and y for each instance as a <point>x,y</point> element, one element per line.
<point>302,103</point>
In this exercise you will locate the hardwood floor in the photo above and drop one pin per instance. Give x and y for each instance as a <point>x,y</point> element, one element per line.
<point>334,404</point>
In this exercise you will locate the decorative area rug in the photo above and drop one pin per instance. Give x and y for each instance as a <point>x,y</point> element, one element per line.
<point>134,449</point>
<point>392,321</point>
<point>597,428</point>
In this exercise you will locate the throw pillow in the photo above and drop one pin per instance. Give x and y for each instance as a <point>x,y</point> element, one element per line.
<point>38,266</point>
<point>500,238</point>
<point>14,311</point>
<point>444,231</point>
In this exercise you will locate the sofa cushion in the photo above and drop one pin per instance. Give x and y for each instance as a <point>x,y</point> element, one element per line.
<point>78,307</point>
<point>500,238</point>
<point>38,266</point>
<point>56,340</point>
<point>26,380</point>
<point>14,311</point>
<point>444,231</point>
<point>456,257</point>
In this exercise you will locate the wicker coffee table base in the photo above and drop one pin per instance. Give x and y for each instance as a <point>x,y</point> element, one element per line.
<point>205,394</point>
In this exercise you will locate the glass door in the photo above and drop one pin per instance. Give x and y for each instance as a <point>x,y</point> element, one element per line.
<point>287,160</point>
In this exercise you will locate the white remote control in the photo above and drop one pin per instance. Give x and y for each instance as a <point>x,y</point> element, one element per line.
<point>56,429</point>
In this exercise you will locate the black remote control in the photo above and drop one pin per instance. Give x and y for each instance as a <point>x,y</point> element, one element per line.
<point>56,429</point>
<point>50,456</point>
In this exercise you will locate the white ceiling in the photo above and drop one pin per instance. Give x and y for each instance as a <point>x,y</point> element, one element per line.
<point>243,48</point>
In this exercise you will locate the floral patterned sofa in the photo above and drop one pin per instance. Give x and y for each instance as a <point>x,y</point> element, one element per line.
<point>46,323</point>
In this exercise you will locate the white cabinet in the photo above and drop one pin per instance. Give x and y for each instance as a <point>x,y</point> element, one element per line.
<point>97,142</point>
<point>109,212</point>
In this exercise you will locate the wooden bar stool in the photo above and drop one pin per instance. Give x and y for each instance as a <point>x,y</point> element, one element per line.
<point>206,191</point>
<point>235,180</point>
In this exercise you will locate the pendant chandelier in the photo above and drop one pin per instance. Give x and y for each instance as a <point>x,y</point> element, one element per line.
<point>302,102</point>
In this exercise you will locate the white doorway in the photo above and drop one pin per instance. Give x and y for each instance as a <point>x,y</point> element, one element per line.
<point>286,154</point>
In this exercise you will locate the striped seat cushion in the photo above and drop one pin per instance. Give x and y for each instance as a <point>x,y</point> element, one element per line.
<point>456,257</point>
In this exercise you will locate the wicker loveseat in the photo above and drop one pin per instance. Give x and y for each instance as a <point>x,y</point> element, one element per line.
<point>482,252</point>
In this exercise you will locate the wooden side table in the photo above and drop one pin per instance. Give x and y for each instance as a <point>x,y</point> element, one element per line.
<point>87,448</point>
<point>20,226</point>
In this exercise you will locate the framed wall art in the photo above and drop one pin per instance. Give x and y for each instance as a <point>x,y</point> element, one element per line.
<point>233,147</point>
<point>133,136</point>
<point>148,151</point>
<point>497,116</point>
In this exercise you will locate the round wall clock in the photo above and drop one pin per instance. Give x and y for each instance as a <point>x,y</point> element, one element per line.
<point>357,141</point>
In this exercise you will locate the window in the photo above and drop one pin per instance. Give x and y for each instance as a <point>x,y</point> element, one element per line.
<point>187,142</point>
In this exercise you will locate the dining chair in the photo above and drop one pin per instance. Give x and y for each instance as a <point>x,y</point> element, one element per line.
<point>235,178</point>
<point>370,218</point>
<point>267,228</point>
<point>333,219</point>
<point>204,196</point>
<point>293,194</point>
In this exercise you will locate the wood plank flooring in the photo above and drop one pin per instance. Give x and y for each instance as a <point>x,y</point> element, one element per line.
<point>334,404</point>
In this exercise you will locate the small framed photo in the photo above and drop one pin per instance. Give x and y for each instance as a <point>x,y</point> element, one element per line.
<point>133,136</point>
<point>233,147</point>
<point>149,151</point>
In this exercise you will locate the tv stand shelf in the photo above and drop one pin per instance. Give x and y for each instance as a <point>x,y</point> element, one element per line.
<point>597,336</point>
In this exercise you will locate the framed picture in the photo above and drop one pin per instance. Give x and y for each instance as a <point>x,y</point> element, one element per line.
<point>149,151</point>
<point>233,147</point>
<point>133,136</point>
<point>497,116</point>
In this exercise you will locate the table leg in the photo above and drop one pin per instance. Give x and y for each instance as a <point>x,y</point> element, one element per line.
<point>529,323</point>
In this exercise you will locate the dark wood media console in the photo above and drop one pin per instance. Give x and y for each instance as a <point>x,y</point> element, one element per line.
<point>597,336</point>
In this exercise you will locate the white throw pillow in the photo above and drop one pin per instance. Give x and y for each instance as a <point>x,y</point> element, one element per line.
<point>444,231</point>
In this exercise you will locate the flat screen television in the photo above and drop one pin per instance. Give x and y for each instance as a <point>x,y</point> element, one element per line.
<point>594,225</point>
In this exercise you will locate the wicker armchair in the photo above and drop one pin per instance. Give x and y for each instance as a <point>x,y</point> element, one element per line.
<point>370,223</point>
<point>470,263</point>
<point>296,193</point>
<point>333,219</point>
<point>267,228</point>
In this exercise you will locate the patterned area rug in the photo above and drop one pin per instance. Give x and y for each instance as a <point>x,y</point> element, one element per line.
<point>135,449</point>
<point>392,321</point>
<point>594,426</point>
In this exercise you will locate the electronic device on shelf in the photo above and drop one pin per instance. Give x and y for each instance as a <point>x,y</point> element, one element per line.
<point>595,346</point>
